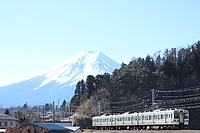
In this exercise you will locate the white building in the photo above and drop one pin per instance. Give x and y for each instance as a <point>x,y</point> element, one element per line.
<point>7,121</point>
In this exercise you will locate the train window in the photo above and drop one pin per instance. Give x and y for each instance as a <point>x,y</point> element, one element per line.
<point>161,117</point>
<point>150,117</point>
<point>186,116</point>
<point>158,116</point>
<point>135,118</point>
<point>176,114</point>
<point>128,118</point>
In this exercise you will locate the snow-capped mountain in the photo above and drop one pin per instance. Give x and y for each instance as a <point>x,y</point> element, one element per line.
<point>57,83</point>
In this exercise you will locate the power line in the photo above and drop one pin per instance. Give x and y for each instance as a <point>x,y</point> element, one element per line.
<point>180,98</point>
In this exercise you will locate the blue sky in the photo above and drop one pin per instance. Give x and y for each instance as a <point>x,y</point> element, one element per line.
<point>38,34</point>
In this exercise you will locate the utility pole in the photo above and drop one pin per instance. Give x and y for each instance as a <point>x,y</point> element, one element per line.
<point>53,117</point>
<point>99,107</point>
<point>153,99</point>
<point>11,113</point>
<point>69,111</point>
<point>42,113</point>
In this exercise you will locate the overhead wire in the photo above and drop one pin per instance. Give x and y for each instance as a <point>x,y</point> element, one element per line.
<point>181,98</point>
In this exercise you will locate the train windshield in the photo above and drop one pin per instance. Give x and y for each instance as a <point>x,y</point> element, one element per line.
<point>186,116</point>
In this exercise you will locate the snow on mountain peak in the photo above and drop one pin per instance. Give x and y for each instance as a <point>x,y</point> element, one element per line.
<point>79,67</point>
<point>58,82</point>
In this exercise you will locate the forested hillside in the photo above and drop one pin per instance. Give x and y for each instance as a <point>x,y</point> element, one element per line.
<point>174,69</point>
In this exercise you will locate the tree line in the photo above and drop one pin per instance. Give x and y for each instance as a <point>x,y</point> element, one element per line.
<point>175,69</point>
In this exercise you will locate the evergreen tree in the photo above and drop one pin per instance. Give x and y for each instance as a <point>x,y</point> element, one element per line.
<point>63,109</point>
<point>82,85</point>
<point>7,112</point>
<point>90,85</point>
<point>25,106</point>
<point>47,107</point>
<point>78,90</point>
<point>63,104</point>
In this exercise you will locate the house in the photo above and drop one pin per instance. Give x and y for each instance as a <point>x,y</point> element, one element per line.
<point>43,127</point>
<point>7,121</point>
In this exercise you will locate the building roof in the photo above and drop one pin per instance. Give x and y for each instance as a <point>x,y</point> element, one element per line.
<point>51,126</point>
<point>2,130</point>
<point>74,128</point>
<point>7,117</point>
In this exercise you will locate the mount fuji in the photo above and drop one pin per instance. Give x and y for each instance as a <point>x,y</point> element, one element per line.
<point>57,83</point>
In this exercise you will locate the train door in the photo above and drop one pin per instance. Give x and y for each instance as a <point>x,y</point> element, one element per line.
<point>166,118</point>
<point>114,121</point>
<point>132,119</point>
<point>154,117</point>
<point>138,119</point>
<point>181,118</point>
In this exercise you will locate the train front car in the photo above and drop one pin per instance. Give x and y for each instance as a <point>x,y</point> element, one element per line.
<point>181,118</point>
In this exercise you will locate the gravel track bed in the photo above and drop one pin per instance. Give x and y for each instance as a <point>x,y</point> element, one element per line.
<point>140,131</point>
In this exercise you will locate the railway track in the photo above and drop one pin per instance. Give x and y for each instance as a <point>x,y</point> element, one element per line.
<point>140,131</point>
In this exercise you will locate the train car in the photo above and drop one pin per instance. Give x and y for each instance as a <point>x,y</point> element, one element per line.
<point>160,118</point>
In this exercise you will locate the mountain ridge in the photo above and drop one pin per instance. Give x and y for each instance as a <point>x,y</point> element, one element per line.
<point>58,82</point>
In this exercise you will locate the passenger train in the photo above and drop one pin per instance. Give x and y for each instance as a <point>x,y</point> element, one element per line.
<point>157,119</point>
